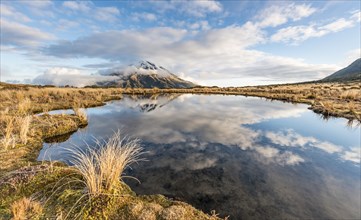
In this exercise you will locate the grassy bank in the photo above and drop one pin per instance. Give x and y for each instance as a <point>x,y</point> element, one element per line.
<point>27,185</point>
<point>22,133</point>
<point>31,189</point>
<point>329,99</point>
<point>25,99</point>
<point>91,189</point>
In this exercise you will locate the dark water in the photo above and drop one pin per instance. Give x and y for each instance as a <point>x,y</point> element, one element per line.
<point>244,157</point>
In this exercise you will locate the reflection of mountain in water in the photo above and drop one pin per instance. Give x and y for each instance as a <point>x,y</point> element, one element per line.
<point>243,157</point>
<point>149,102</point>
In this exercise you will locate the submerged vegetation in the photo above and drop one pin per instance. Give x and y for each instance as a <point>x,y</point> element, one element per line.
<point>93,187</point>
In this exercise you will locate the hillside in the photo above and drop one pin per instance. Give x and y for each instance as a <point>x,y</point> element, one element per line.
<point>145,75</point>
<point>351,72</point>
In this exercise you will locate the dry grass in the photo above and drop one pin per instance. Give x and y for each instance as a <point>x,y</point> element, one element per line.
<point>19,101</point>
<point>26,208</point>
<point>335,97</point>
<point>327,106</point>
<point>44,99</point>
<point>24,125</point>
<point>352,94</point>
<point>24,106</point>
<point>8,138</point>
<point>102,168</point>
<point>14,130</point>
<point>81,113</point>
<point>28,99</point>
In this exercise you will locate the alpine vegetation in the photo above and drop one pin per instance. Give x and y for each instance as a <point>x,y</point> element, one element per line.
<point>102,167</point>
<point>81,113</point>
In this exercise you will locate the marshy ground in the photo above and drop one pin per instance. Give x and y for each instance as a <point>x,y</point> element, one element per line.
<point>33,189</point>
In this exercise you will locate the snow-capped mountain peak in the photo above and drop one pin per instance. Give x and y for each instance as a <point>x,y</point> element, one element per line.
<point>144,74</point>
<point>148,68</point>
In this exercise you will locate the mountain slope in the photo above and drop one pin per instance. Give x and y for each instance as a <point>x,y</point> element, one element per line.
<point>351,72</point>
<point>146,75</point>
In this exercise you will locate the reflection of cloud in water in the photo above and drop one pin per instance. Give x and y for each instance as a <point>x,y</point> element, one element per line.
<point>289,138</point>
<point>353,155</point>
<point>282,158</point>
<point>194,161</point>
<point>203,149</point>
<point>205,119</point>
<point>210,121</point>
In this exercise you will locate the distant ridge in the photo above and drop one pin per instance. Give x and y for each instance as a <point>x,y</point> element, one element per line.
<point>146,75</point>
<point>349,73</point>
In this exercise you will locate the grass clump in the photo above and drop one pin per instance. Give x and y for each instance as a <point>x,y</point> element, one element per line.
<point>102,168</point>
<point>24,106</point>
<point>81,113</point>
<point>8,139</point>
<point>26,208</point>
<point>24,125</point>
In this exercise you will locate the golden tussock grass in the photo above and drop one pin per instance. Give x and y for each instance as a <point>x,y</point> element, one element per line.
<point>14,129</point>
<point>334,97</point>
<point>28,99</point>
<point>81,113</point>
<point>26,208</point>
<point>24,125</point>
<point>102,168</point>
<point>353,94</point>
<point>24,106</point>
<point>8,126</point>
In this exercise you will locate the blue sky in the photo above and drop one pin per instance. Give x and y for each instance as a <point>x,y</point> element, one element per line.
<point>224,43</point>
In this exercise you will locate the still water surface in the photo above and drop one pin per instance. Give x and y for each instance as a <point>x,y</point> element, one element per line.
<point>248,158</point>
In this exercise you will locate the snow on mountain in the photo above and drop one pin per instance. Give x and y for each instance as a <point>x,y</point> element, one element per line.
<point>144,75</point>
<point>141,68</point>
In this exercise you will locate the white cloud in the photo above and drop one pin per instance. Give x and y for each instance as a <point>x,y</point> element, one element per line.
<point>276,15</point>
<point>200,8</point>
<point>356,16</point>
<point>40,7</point>
<point>64,24</point>
<point>88,8</point>
<point>189,7</point>
<point>130,69</point>
<point>161,40</point>
<point>61,76</point>
<point>40,4</point>
<point>203,25</point>
<point>106,13</point>
<point>13,33</point>
<point>83,6</point>
<point>338,25</point>
<point>297,34</point>
<point>144,16</point>
<point>8,11</point>
<point>204,55</point>
<point>195,50</point>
